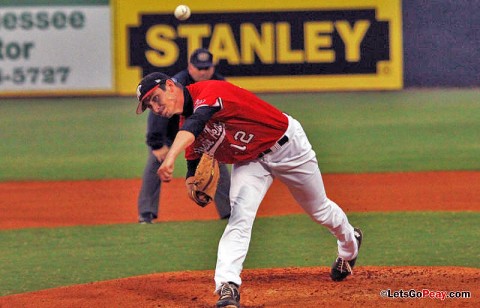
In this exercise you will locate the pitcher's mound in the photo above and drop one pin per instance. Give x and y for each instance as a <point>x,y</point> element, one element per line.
<point>287,287</point>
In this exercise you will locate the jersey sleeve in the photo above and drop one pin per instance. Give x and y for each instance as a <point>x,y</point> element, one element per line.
<point>197,121</point>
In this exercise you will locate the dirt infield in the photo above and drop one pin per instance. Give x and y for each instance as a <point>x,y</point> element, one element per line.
<point>53,204</point>
<point>288,287</point>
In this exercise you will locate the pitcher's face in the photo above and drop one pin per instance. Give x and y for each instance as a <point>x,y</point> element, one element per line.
<point>163,102</point>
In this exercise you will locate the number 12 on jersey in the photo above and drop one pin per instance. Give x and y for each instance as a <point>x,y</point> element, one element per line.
<point>242,137</point>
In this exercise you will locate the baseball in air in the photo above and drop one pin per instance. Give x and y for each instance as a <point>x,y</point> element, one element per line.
<point>182,12</point>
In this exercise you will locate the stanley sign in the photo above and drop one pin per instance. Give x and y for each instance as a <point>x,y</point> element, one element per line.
<point>265,44</point>
<point>338,49</point>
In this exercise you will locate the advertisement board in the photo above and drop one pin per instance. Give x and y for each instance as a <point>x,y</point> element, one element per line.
<point>266,46</point>
<point>56,49</point>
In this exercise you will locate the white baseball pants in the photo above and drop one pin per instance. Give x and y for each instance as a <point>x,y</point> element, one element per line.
<point>295,164</point>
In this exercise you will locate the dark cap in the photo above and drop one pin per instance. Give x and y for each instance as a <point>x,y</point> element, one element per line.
<point>201,58</point>
<point>146,86</point>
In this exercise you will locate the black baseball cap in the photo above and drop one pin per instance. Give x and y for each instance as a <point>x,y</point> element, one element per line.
<point>201,58</point>
<point>147,85</point>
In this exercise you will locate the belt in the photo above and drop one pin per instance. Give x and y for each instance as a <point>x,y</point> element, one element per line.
<point>278,144</point>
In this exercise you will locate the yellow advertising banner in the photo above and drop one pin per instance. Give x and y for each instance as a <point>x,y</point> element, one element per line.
<point>266,46</point>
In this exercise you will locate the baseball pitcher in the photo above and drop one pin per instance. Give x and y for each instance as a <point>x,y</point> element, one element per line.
<point>234,126</point>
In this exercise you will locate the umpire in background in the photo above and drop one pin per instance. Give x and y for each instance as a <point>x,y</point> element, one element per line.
<point>160,135</point>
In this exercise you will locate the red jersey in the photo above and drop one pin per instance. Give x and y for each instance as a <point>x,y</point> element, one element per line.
<point>244,127</point>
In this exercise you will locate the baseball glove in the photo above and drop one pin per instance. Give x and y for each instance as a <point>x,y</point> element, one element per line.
<point>204,184</point>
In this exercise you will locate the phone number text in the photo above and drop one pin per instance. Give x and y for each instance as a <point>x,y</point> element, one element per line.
<point>35,75</point>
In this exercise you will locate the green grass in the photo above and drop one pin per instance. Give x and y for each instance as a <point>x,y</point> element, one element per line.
<point>71,139</point>
<point>401,131</point>
<point>96,138</point>
<point>33,259</point>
